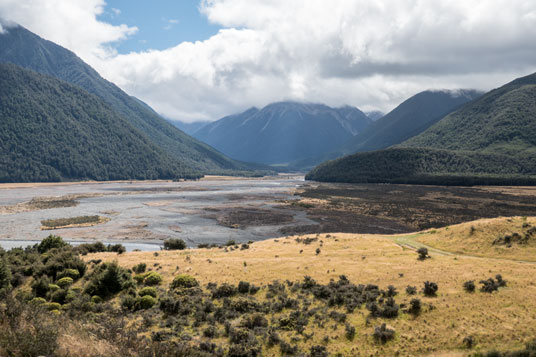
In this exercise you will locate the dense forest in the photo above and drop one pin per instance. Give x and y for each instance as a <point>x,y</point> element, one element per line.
<point>428,166</point>
<point>51,131</point>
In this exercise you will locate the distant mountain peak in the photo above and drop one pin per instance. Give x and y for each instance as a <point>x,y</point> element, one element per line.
<point>284,131</point>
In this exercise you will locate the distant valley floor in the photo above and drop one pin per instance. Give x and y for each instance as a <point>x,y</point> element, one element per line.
<point>391,209</point>
<point>218,209</point>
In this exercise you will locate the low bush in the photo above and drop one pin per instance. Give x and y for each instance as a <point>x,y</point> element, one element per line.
<point>51,242</point>
<point>430,288</point>
<point>383,333</point>
<point>65,282</point>
<point>108,279</point>
<point>224,290</point>
<point>152,278</point>
<point>243,287</point>
<point>349,332</point>
<point>148,291</point>
<point>469,286</point>
<point>411,290</point>
<point>318,351</point>
<point>144,302</point>
<point>415,307</point>
<point>174,244</point>
<point>139,268</point>
<point>423,253</point>
<point>184,281</point>
<point>69,273</point>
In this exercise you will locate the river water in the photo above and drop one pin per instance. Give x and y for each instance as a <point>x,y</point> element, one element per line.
<point>143,214</point>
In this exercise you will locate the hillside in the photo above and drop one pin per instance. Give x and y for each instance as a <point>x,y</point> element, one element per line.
<point>52,131</point>
<point>24,48</point>
<point>283,132</point>
<point>490,140</point>
<point>502,121</point>
<point>410,118</point>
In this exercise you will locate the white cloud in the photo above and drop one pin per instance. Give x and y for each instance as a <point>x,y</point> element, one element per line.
<point>70,23</point>
<point>371,54</point>
<point>116,11</point>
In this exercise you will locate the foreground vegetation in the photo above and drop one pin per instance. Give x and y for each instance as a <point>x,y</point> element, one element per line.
<point>323,294</point>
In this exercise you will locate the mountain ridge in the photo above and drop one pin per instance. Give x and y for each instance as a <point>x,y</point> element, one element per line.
<point>28,50</point>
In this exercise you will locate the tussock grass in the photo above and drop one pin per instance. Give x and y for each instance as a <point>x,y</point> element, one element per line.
<point>485,238</point>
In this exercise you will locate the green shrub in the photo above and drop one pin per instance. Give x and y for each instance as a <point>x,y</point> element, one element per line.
<point>96,299</point>
<point>58,296</point>
<point>69,273</point>
<point>40,286</point>
<point>230,243</point>
<point>383,333</point>
<point>184,281</point>
<point>49,243</point>
<point>65,282</point>
<point>128,302</point>
<point>174,244</point>
<point>430,288</point>
<point>139,278</point>
<point>349,332</point>
<point>469,286</point>
<point>423,253</point>
<point>53,287</point>
<point>243,287</point>
<point>38,301</point>
<point>148,291</point>
<point>52,306</point>
<point>224,290</point>
<point>108,279</point>
<point>139,268</point>
<point>415,307</point>
<point>145,302</point>
<point>152,278</point>
<point>56,261</point>
<point>5,277</point>
<point>71,295</point>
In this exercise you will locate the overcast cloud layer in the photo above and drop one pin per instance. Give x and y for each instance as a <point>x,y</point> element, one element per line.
<point>370,54</point>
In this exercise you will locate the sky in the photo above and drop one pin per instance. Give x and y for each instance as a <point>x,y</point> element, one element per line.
<point>201,60</point>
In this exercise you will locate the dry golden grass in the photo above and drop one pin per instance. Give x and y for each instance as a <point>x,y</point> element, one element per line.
<point>476,238</point>
<point>503,320</point>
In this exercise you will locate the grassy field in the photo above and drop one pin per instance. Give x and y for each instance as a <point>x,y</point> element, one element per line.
<point>503,320</point>
<point>506,238</point>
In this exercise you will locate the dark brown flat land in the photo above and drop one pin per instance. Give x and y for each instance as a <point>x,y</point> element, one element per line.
<point>388,209</point>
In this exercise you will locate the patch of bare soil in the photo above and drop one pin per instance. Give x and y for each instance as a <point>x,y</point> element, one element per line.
<point>39,203</point>
<point>137,231</point>
<point>387,209</point>
<point>242,217</point>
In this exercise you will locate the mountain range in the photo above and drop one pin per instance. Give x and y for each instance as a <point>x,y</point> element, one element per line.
<point>283,132</point>
<point>490,140</point>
